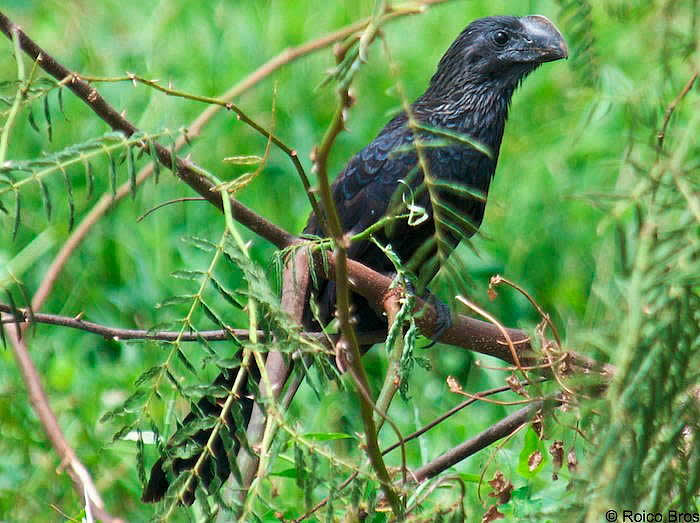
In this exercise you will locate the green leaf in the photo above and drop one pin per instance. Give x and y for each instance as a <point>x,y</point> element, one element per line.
<point>531,445</point>
<point>32,121</point>
<point>2,336</point>
<point>45,198</point>
<point>132,404</point>
<point>211,314</point>
<point>228,296</point>
<point>173,159</point>
<point>209,391</point>
<point>112,175</point>
<point>201,243</point>
<point>47,116</point>
<point>193,427</point>
<point>123,431</point>
<point>229,446</point>
<point>299,464</point>
<point>60,103</point>
<point>131,169</point>
<point>140,458</point>
<point>174,381</point>
<point>244,160</point>
<point>18,208</point>
<point>156,162</point>
<point>69,194</point>
<point>286,473</point>
<point>176,300</point>
<point>148,374</point>
<point>181,356</point>
<point>188,275</point>
<point>89,178</point>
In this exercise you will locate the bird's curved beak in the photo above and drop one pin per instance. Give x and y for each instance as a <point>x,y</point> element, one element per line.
<point>548,44</point>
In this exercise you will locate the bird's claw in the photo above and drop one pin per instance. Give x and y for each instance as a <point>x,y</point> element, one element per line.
<point>443,319</point>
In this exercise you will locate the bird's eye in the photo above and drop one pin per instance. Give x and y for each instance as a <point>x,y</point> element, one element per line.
<point>501,37</point>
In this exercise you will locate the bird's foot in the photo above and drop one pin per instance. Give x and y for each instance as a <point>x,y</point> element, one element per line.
<point>443,320</point>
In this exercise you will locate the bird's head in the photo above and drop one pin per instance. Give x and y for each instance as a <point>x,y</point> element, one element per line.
<point>499,50</point>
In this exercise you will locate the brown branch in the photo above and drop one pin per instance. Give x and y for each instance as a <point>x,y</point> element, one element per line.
<point>185,170</point>
<point>295,286</point>
<point>120,334</point>
<point>661,135</point>
<point>466,332</point>
<point>82,481</point>
<point>454,410</point>
<point>500,430</point>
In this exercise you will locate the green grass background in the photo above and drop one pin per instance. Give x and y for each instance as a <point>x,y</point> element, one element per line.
<point>568,130</point>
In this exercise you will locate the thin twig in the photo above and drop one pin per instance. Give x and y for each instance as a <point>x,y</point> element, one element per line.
<point>498,280</point>
<point>661,135</point>
<point>454,410</point>
<point>170,202</point>
<point>120,334</point>
<point>229,106</point>
<point>500,327</point>
<point>482,440</point>
<point>82,481</point>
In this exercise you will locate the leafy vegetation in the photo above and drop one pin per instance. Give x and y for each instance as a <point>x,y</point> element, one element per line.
<point>594,210</point>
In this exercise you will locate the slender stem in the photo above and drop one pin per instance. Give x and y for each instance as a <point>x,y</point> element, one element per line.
<point>348,343</point>
<point>503,428</point>
<point>392,378</point>
<point>229,106</point>
<point>25,316</point>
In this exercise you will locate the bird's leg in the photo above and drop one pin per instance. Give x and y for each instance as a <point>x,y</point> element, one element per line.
<point>443,317</point>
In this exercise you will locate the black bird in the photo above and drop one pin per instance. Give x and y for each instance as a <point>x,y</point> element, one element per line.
<point>465,104</point>
<point>467,101</point>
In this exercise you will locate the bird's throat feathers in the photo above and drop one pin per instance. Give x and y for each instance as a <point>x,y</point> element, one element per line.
<point>477,110</point>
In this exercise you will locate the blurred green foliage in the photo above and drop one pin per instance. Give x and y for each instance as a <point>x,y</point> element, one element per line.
<point>571,128</point>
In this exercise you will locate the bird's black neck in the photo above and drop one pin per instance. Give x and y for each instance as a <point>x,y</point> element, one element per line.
<point>477,110</point>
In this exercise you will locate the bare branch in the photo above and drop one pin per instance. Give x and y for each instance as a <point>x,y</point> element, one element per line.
<point>82,481</point>
<point>503,428</point>
<point>119,334</point>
